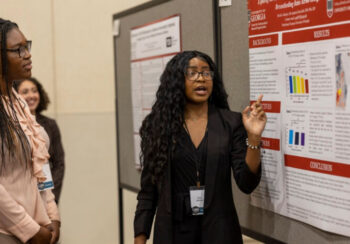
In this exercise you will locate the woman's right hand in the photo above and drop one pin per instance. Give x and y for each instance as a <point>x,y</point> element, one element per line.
<point>42,237</point>
<point>140,239</point>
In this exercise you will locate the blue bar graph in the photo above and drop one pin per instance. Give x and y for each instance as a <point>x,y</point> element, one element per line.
<point>291,84</point>
<point>296,138</point>
<point>291,133</point>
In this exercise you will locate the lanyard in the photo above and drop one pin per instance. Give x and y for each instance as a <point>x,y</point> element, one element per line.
<point>198,160</point>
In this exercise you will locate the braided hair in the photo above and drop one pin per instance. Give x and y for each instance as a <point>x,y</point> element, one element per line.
<point>12,136</point>
<point>160,128</point>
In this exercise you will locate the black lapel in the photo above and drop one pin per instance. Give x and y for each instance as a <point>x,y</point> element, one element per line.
<point>215,132</point>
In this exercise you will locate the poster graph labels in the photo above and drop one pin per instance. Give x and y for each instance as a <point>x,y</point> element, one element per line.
<point>300,59</point>
<point>152,46</point>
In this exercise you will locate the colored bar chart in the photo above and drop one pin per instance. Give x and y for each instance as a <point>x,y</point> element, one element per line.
<point>296,138</point>
<point>302,85</point>
<point>298,85</point>
<point>291,133</point>
<point>306,86</point>
<point>302,139</point>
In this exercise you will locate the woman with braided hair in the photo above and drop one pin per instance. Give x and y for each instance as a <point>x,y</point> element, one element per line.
<point>26,215</point>
<point>189,143</point>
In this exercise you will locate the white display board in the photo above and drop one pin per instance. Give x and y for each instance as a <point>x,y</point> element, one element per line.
<point>300,60</point>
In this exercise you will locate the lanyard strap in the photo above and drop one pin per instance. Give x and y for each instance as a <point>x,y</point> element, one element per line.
<point>198,160</point>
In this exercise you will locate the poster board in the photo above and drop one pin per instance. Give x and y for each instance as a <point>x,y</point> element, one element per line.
<point>257,222</point>
<point>197,32</point>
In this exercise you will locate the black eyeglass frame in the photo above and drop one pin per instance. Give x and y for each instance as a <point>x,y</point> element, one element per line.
<point>22,49</point>
<point>196,76</point>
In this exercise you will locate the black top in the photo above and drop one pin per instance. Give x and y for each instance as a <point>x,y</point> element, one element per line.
<point>226,150</point>
<point>184,164</point>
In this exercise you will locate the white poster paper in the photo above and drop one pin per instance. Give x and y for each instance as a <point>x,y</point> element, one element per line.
<point>152,46</point>
<point>300,61</point>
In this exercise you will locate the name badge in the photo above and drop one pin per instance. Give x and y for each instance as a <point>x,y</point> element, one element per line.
<point>48,183</point>
<point>197,200</point>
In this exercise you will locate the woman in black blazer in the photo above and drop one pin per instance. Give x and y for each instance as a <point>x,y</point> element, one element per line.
<point>189,143</point>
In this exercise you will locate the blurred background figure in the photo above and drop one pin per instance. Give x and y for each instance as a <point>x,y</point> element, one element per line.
<point>36,97</point>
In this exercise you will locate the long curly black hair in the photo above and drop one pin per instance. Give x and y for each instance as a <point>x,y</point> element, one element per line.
<point>12,138</point>
<point>161,127</point>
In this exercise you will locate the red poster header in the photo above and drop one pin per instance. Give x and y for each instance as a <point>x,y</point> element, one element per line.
<point>317,34</point>
<point>316,165</point>
<point>270,106</point>
<point>270,143</point>
<point>263,41</point>
<point>267,16</point>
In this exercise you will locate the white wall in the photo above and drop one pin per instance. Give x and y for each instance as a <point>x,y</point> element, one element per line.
<point>39,30</point>
<point>73,58</point>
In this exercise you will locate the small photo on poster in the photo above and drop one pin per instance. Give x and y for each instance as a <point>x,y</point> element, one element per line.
<point>169,42</point>
<point>342,61</point>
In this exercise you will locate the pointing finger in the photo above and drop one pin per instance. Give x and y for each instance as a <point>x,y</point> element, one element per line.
<point>259,99</point>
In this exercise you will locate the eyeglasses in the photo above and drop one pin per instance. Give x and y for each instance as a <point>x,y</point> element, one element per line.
<point>22,49</point>
<point>194,75</point>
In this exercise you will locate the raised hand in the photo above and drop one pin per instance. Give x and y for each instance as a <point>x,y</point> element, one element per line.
<point>254,119</point>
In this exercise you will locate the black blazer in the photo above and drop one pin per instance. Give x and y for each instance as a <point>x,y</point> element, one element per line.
<point>56,153</point>
<point>226,150</point>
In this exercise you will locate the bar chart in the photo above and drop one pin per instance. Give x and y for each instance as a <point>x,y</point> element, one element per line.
<point>296,138</point>
<point>298,84</point>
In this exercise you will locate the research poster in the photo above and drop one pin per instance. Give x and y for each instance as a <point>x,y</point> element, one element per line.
<point>152,46</point>
<point>300,60</point>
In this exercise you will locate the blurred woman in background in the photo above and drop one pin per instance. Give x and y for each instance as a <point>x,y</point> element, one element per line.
<point>37,99</point>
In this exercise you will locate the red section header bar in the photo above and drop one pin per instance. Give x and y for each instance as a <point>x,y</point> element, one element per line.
<point>266,16</point>
<point>263,41</point>
<point>316,165</point>
<point>270,143</point>
<point>270,106</point>
<point>317,34</point>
